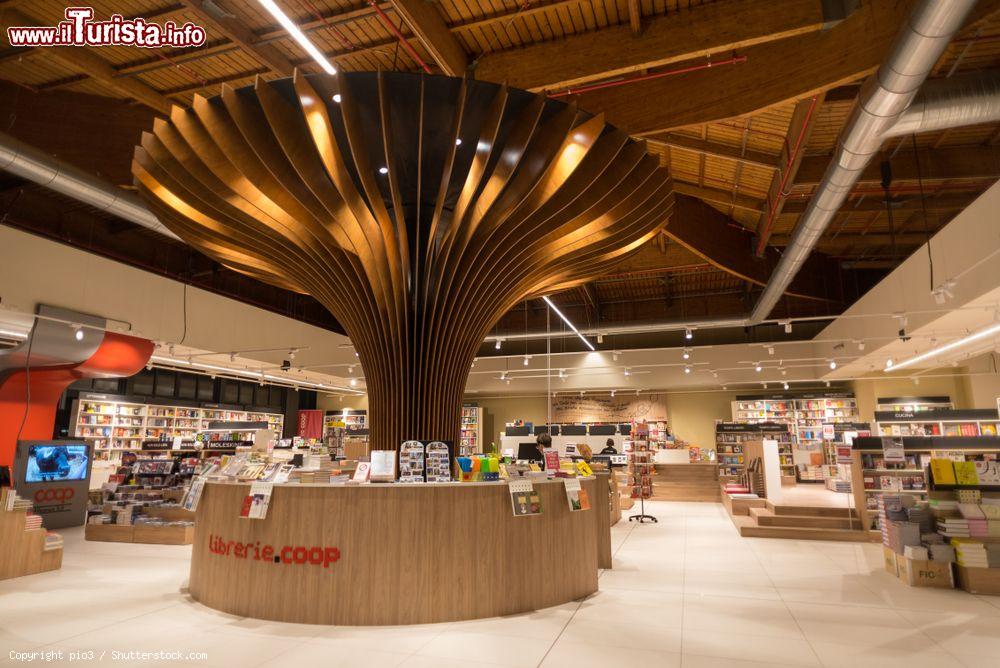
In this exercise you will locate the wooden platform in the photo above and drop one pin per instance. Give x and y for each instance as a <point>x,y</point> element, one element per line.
<point>686,482</point>
<point>764,519</point>
<point>23,552</point>
<point>140,533</point>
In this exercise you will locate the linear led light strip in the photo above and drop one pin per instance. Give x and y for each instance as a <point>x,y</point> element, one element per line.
<point>250,375</point>
<point>934,352</point>
<point>293,30</point>
<point>566,320</point>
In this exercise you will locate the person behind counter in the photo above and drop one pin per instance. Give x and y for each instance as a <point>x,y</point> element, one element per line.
<point>542,441</point>
<point>609,448</point>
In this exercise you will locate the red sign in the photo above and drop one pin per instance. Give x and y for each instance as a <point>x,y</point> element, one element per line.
<point>59,495</point>
<point>310,424</point>
<point>289,554</point>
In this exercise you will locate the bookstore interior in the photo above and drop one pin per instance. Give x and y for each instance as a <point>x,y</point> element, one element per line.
<point>398,334</point>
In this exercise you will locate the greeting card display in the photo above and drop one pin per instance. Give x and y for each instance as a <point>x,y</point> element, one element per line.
<point>576,495</point>
<point>437,462</point>
<point>411,461</point>
<point>523,498</point>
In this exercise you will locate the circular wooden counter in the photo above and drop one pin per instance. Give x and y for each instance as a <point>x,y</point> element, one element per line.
<point>391,554</point>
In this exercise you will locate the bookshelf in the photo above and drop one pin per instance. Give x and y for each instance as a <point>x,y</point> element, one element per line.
<point>912,404</point>
<point>733,435</point>
<point>121,424</point>
<point>471,435</point>
<point>938,422</point>
<point>640,469</point>
<point>910,476</point>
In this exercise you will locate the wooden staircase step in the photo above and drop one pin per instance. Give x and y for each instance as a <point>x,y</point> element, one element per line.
<point>799,533</point>
<point>808,522</point>
<point>811,511</point>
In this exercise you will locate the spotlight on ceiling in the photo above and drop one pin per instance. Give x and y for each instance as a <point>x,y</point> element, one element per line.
<point>688,334</point>
<point>498,344</point>
<point>612,393</point>
<point>354,382</point>
<point>770,350</point>
<point>833,364</point>
<point>687,354</point>
<point>758,368</point>
<point>687,368</point>
<point>77,332</point>
<point>383,170</point>
<point>628,372</point>
<point>527,360</point>
<point>785,385</point>
<point>787,325</point>
<point>337,98</point>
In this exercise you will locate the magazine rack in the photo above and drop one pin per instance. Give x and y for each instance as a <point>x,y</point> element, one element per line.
<point>640,472</point>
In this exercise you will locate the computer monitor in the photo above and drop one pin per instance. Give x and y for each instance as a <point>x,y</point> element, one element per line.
<point>529,452</point>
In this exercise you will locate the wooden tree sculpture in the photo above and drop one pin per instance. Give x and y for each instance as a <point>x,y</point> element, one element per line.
<point>417,209</point>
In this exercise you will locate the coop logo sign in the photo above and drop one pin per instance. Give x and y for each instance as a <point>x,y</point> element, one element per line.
<point>52,494</point>
<point>293,555</point>
<point>80,29</point>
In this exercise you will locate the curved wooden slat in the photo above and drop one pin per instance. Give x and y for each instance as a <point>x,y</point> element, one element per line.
<point>282,181</point>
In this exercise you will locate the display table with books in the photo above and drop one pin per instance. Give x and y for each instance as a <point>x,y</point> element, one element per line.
<point>26,547</point>
<point>391,554</point>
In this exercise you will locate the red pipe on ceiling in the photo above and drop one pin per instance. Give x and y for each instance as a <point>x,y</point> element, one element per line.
<point>648,77</point>
<point>780,196</point>
<point>399,36</point>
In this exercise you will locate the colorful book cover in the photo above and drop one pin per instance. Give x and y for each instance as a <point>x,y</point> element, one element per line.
<point>551,459</point>
<point>965,473</point>
<point>584,468</point>
<point>943,471</point>
<point>362,472</point>
<point>576,495</point>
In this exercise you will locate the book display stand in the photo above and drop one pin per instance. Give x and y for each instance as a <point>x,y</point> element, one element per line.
<point>640,471</point>
<point>26,547</point>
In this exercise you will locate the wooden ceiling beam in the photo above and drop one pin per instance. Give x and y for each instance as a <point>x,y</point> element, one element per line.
<point>800,127</point>
<point>685,35</point>
<point>426,23</point>
<point>749,157</point>
<point>635,17</point>
<point>234,29</point>
<point>775,72</point>
<point>86,61</point>
<point>723,197</point>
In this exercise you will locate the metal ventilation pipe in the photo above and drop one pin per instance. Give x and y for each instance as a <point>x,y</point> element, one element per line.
<point>882,101</point>
<point>34,165</point>
<point>951,103</point>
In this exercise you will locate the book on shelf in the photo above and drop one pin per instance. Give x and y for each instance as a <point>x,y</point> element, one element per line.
<point>943,471</point>
<point>965,473</point>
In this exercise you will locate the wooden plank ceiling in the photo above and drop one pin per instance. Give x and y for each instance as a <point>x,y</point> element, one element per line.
<point>750,137</point>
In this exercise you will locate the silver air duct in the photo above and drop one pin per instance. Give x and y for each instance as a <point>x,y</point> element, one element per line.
<point>34,165</point>
<point>882,101</point>
<point>951,103</point>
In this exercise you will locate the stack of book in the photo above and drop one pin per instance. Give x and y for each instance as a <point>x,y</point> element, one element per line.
<point>953,527</point>
<point>53,541</point>
<point>971,554</point>
<point>898,535</point>
<point>32,522</point>
<point>10,501</point>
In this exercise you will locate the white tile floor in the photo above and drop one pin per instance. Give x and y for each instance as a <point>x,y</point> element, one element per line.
<point>685,592</point>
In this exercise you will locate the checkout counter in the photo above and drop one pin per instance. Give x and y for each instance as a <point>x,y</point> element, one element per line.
<point>396,554</point>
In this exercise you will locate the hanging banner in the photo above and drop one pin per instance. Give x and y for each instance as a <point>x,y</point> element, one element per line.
<point>310,424</point>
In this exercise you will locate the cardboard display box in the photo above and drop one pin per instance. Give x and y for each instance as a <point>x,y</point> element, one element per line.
<point>920,573</point>
<point>979,580</point>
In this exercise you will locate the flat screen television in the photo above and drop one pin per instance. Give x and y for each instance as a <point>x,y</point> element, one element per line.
<point>49,463</point>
